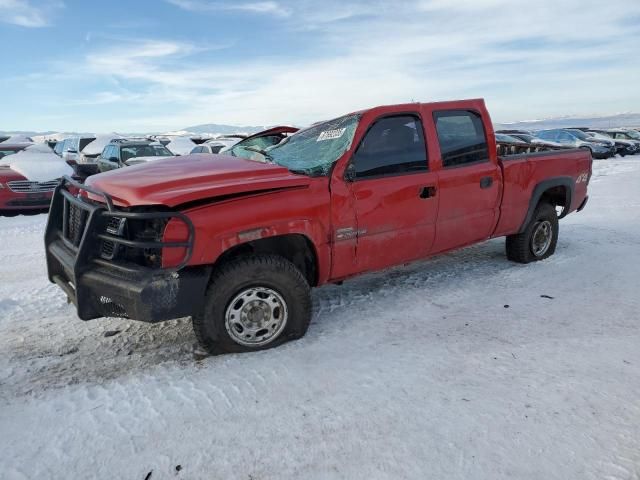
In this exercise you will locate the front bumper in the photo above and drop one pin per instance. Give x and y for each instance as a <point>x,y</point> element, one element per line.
<point>104,288</point>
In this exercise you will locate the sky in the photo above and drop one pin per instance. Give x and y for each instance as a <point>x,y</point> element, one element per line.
<point>148,66</point>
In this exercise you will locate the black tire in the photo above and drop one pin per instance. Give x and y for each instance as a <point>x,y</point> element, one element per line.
<point>257,271</point>
<point>520,247</point>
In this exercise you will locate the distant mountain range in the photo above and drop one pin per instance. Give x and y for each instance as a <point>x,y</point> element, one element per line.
<point>223,129</point>
<point>609,121</point>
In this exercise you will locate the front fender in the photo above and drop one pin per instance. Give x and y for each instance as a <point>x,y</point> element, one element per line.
<point>228,224</point>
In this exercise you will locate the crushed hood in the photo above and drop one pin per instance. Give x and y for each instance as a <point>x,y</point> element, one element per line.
<point>178,180</point>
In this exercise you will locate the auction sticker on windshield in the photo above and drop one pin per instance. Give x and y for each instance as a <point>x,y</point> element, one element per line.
<point>331,134</point>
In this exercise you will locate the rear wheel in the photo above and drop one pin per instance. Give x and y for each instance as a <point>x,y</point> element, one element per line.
<point>539,239</point>
<point>253,303</point>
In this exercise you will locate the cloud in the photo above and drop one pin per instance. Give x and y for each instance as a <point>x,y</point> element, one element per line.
<point>266,7</point>
<point>528,62</point>
<point>22,13</point>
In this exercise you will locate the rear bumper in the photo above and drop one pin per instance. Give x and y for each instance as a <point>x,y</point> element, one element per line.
<point>109,288</point>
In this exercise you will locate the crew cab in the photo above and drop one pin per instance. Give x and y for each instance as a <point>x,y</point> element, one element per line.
<point>237,243</point>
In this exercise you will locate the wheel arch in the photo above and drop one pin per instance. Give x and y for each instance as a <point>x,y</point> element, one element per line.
<point>298,248</point>
<point>557,191</point>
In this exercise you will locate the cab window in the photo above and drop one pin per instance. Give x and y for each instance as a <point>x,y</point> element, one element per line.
<point>461,137</point>
<point>391,146</point>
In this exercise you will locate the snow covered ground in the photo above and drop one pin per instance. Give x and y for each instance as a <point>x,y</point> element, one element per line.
<point>419,372</point>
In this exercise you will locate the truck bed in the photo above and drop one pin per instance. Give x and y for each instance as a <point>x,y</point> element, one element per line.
<point>521,174</point>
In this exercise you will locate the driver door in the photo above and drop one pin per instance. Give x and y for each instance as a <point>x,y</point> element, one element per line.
<point>394,194</point>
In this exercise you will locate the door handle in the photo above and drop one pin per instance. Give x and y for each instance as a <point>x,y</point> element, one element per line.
<point>486,182</point>
<point>427,192</point>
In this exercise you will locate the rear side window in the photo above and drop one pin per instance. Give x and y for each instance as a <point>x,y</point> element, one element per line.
<point>392,146</point>
<point>461,137</point>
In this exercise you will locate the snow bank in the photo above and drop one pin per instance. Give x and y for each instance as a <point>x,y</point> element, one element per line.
<point>414,373</point>
<point>181,146</point>
<point>37,163</point>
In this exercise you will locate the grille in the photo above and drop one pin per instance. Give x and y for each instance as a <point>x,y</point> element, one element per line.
<point>25,186</point>
<point>75,224</point>
<point>115,226</point>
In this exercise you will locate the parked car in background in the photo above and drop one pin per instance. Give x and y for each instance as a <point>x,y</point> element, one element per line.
<point>72,147</point>
<point>623,147</point>
<point>579,139</point>
<point>624,134</point>
<point>29,176</point>
<point>93,149</point>
<point>121,153</point>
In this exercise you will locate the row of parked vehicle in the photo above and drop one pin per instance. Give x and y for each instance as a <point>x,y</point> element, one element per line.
<point>91,154</point>
<point>94,154</point>
<point>602,143</point>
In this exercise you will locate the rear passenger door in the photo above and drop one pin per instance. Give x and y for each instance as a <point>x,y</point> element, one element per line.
<point>394,194</point>
<point>469,181</point>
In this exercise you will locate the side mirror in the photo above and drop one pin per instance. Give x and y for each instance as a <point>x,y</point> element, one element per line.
<point>350,173</point>
<point>72,150</point>
<point>113,159</point>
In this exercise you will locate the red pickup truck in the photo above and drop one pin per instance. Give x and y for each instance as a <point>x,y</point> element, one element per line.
<point>236,243</point>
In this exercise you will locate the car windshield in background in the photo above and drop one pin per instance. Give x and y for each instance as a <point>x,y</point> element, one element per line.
<point>133,151</point>
<point>5,152</point>
<point>580,134</point>
<point>312,151</point>
<point>633,134</point>
<point>258,143</point>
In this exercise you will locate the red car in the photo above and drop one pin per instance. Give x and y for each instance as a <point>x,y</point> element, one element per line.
<point>237,243</point>
<point>18,193</point>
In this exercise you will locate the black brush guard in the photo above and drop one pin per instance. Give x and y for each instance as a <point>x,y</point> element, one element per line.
<point>75,232</point>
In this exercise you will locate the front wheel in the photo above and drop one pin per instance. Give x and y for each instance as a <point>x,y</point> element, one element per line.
<point>539,239</point>
<point>253,303</point>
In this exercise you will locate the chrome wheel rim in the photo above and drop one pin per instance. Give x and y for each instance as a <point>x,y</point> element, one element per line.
<point>541,238</point>
<point>256,316</point>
